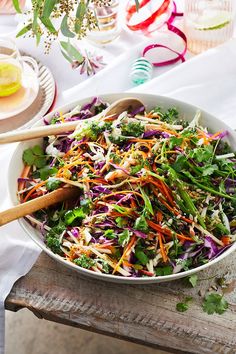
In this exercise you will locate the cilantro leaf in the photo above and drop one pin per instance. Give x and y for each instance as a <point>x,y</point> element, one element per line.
<point>202,154</point>
<point>141,256</point>
<point>214,303</point>
<point>47,171</point>
<point>174,141</point>
<point>34,157</point>
<point>166,270</point>
<point>110,234</point>
<point>141,224</point>
<point>124,238</point>
<point>183,306</point>
<point>74,216</point>
<point>209,169</point>
<point>180,163</point>
<point>135,169</point>
<point>121,222</point>
<point>28,157</point>
<point>84,261</point>
<point>37,150</point>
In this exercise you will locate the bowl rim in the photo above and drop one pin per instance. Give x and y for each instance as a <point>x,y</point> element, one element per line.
<point>109,277</point>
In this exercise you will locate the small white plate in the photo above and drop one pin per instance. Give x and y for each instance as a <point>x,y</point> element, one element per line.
<point>22,99</point>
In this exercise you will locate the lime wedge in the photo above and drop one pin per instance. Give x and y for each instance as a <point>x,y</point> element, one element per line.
<point>212,20</point>
<point>10,79</point>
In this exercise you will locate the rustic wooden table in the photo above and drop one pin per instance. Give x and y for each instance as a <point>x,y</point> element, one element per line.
<point>142,314</point>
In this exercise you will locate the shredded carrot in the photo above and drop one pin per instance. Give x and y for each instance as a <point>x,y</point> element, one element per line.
<point>38,185</point>
<point>167,232</point>
<point>159,216</point>
<point>162,248</point>
<point>226,240</point>
<point>133,204</point>
<point>122,192</point>
<point>24,174</point>
<point>127,264</point>
<point>164,191</point>
<point>128,247</point>
<point>167,192</point>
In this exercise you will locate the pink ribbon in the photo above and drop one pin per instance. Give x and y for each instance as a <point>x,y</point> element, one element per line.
<point>178,32</point>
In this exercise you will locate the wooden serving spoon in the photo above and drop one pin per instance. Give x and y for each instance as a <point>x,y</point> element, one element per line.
<point>33,205</point>
<point>60,194</point>
<point>116,108</point>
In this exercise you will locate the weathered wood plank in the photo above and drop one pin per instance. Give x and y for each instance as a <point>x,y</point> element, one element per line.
<point>143,314</point>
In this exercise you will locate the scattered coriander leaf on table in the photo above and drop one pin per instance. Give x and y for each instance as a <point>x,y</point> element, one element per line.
<point>183,306</point>
<point>214,303</point>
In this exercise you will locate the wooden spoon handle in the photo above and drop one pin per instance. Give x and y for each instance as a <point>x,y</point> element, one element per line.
<point>33,205</point>
<point>115,108</point>
<point>37,132</point>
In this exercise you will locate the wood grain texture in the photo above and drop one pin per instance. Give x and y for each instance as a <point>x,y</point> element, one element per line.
<point>142,314</point>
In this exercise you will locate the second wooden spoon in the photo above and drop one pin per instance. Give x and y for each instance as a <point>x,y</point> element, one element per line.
<point>33,205</point>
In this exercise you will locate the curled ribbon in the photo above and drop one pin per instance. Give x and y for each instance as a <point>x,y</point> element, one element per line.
<point>144,25</point>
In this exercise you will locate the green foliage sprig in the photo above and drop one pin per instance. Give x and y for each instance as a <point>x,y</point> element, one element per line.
<point>71,18</point>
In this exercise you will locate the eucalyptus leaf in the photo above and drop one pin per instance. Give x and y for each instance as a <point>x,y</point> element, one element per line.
<point>66,56</point>
<point>72,52</point>
<point>16,5</point>
<point>80,12</point>
<point>36,16</point>
<point>48,24</point>
<point>49,6</point>
<point>38,37</point>
<point>65,28</point>
<point>24,30</point>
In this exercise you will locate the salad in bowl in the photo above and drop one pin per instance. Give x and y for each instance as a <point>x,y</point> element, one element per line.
<point>157,190</point>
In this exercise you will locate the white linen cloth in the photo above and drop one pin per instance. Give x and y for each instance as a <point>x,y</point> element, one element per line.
<point>17,252</point>
<point>208,80</point>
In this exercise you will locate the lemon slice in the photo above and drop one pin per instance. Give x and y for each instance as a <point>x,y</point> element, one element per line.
<point>213,20</point>
<point>10,79</point>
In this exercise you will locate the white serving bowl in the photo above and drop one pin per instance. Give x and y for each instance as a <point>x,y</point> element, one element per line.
<point>187,111</point>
